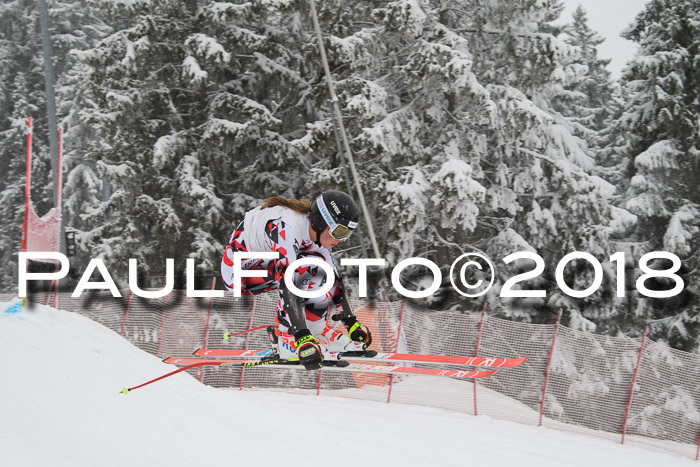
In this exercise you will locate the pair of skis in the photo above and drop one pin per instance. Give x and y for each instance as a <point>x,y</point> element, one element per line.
<point>348,362</point>
<point>380,356</point>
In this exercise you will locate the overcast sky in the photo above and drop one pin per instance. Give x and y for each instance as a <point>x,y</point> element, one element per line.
<point>608,18</point>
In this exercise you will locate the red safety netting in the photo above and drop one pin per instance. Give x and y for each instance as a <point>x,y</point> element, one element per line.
<point>574,380</point>
<point>43,233</point>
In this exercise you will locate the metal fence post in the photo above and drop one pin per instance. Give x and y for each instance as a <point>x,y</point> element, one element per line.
<point>162,327</point>
<point>247,338</point>
<point>634,381</point>
<point>126,313</point>
<point>549,364</point>
<point>396,347</point>
<point>476,351</point>
<point>206,326</point>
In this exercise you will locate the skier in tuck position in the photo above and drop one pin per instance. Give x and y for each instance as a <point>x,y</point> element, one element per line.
<point>297,229</point>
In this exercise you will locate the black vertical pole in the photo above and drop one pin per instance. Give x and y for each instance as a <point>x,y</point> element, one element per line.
<point>50,93</point>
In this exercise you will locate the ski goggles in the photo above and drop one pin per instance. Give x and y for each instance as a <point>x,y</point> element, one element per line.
<point>340,232</point>
<point>337,231</point>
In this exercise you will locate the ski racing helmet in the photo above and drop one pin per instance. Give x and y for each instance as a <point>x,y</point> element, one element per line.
<point>335,210</point>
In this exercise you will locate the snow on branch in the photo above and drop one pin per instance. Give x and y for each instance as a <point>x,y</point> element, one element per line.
<point>568,169</point>
<point>166,148</point>
<point>457,193</point>
<point>271,66</point>
<point>661,155</point>
<point>406,17</point>
<point>191,70</point>
<point>208,48</point>
<point>681,231</point>
<point>223,12</point>
<point>370,102</point>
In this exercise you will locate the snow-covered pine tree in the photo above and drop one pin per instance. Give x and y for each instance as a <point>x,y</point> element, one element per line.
<point>17,97</point>
<point>81,28</point>
<point>458,141</point>
<point>590,105</point>
<point>544,190</point>
<point>596,102</point>
<point>659,131</point>
<point>400,74</point>
<point>187,105</point>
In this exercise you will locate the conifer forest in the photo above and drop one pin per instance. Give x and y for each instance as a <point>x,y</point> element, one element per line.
<point>475,125</point>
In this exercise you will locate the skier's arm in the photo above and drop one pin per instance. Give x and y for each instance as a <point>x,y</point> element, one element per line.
<point>342,301</point>
<point>356,330</point>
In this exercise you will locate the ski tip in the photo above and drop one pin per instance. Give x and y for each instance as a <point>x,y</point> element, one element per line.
<point>521,360</point>
<point>125,391</point>
<point>195,352</point>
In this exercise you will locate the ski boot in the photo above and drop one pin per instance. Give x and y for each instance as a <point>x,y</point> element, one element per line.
<point>338,343</point>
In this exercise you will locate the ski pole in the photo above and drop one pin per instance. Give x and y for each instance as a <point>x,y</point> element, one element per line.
<point>245,363</point>
<point>202,363</point>
<point>227,336</point>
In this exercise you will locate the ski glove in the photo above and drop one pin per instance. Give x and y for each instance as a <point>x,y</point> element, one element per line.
<point>358,331</point>
<point>308,350</point>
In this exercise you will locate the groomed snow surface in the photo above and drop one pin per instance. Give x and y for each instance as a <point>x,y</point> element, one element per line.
<point>61,405</point>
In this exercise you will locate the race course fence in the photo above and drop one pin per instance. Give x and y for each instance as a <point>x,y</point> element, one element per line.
<point>623,389</point>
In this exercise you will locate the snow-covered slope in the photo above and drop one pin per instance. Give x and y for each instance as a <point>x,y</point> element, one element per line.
<point>61,405</point>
